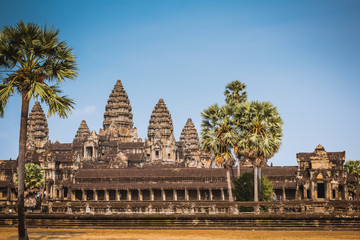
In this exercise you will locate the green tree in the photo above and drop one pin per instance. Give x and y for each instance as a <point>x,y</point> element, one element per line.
<point>219,135</point>
<point>235,94</point>
<point>244,188</point>
<point>31,58</point>
<point>260,135</point>
<point>353,168</point>
<point>34,179</point>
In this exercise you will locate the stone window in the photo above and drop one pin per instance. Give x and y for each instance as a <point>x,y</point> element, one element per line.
<point>89,152</point>
<point>157,153</point>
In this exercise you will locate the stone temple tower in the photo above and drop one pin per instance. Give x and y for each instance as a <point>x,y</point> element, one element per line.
<point>118,119</point>
<point>160,145</point>
<point>190,144</point>
<point>37,129</point>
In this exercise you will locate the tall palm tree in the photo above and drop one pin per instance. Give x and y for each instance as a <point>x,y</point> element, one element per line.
<point>32,57</point>
<point>261,134</point>
<point>218,135</point>
<point>235,94</point>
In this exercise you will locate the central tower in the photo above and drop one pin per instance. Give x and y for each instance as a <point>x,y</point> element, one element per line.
<point>118,119</point>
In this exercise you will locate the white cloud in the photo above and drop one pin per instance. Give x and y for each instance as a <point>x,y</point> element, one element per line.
<point>87,110</point>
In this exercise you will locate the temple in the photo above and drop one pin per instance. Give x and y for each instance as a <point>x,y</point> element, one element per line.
<point>115,165</point>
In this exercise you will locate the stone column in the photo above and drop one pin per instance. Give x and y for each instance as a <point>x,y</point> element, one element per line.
<point>312,190</point>
<point>95,195</point>
<point>140,195</point>
<point>163,194</point>
<point>174,195</point>
<point>152,198</point>
<point>107,195</point>
<point>198,194</point>
<point>326,194</point>
<point>345,192</point>
<point>62,193</point>
<point>222,194</point>
<point>305,193</point>
<point>186,194</point>
<point>211,197</point>
<point>47,191</point>
<point>72,195</point>
<point>283,193</point>
<point>8,194</point>
<point>128,194</point>
<point>83,195</point>
<point>117,195</point>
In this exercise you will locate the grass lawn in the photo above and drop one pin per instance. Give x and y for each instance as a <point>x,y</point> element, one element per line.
<point>82,234</point>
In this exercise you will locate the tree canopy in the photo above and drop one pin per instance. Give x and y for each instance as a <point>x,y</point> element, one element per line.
<point>244,188</point>
<point>34,178</point>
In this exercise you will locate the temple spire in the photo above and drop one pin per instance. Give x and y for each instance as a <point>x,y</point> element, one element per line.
<point>118,119</point>
<point>83,132</point>
<point>161,141</point>
<point>37,129</point>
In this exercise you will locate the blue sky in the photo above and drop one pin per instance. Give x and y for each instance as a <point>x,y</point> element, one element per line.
<point>303,56</point>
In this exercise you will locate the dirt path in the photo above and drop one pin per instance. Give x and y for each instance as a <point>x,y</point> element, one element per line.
<point>91,234</point>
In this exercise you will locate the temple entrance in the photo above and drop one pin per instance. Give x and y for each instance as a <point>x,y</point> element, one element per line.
<point>321,190</point>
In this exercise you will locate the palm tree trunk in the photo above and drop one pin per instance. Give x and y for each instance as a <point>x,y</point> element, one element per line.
<point>238,168</point>
<point>231,199</point>
<point>21,166</point>
<point>256,195</point>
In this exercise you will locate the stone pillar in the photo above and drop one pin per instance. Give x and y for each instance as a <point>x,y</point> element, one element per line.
<point>163,194</point>
<point>211,197</point>
<point>326,193</point>
<point>8,194</point>
<point>117,195</point>
<point>140,195</point>
<point>305,193</point>
<point>72,195</point>
<point>222,194</point>
<point>128,194</point>
<point>312,190</point>
<point>186,194</point>
<point>283,193</point>
<point>83,195</point>
<point>47,191</point>
<point>174,195</point>
<point>346,194</point>
<point>152,198</point>
<point>95,195</point>
<point>198,194</point>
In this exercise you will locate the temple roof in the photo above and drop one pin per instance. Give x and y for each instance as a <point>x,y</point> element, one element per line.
<point>160,123</point>
<point>118,109</point>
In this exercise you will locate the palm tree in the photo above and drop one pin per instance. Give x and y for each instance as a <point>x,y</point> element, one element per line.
<point>235,94</point>
<point>218,135</point>
<point>261,133</point>
<point>32,57</point>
